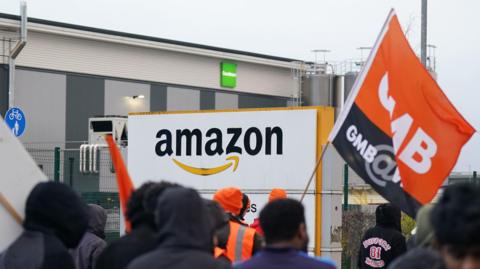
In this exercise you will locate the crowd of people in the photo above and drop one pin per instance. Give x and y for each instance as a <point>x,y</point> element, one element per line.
<point>174,227</point>
<point>171,227</point>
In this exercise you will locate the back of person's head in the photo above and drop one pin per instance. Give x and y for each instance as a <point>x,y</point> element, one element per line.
<point>153,192</point>
<point>136,212</point>
<point>276,194</point>
<point>182,220</point>
<point>245,206</point>
<point>419,258</point>
<point>55,207</point>
<point>230,199</point>
<point>281,220</point>
<point>456,222</point>
<point>388,215</point>
<point>424,236</point>
<point>97,219</point>
<point>456,216</point>
<point>219,222</point>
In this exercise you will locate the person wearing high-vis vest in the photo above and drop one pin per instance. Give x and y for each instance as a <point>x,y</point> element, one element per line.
<point>243,241</point>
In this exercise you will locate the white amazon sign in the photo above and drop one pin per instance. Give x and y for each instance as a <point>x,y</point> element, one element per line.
<point>208,151</point>
<point>254,150</point>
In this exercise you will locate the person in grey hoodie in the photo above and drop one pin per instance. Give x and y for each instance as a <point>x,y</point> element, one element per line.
<point>93,243</point>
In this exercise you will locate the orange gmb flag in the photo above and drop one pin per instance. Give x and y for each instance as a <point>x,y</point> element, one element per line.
<point>398,130</point>
<point>125,185</point>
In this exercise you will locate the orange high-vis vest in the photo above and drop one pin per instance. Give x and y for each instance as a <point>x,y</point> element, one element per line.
<point>240,242</point>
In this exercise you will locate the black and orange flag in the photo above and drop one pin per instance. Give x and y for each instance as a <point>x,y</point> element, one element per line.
<point>124,182</point>
<point>398,131</point>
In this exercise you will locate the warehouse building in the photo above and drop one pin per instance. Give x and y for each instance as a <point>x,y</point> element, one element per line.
<point>68,73</point>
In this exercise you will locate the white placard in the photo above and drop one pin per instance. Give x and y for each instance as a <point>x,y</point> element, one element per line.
<point>19,174</point>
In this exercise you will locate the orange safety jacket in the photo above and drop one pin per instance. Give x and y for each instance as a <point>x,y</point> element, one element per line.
<point>240,242</point>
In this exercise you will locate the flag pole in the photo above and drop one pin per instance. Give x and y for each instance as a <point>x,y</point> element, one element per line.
<point>10,209</point>
<point>314,171</point>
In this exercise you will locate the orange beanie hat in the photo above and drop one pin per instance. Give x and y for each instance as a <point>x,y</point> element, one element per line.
<point>230,199</point>
<point>276,194</point>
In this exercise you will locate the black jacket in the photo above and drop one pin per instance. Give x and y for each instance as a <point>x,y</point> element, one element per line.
<point>122,251</point>
<point>55,220</point>
<point>184,234</point>
<point>383,243</point>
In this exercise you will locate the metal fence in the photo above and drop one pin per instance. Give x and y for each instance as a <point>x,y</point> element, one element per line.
<point>61,162</point>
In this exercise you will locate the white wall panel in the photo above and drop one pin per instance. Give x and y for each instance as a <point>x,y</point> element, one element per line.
<point>42,97</point>
<point>119,101</point>
<point>226,101</point>
<point>81,55</point>
<point>182,99</point>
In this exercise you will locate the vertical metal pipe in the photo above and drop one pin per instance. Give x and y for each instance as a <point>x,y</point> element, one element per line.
<point>56,172</point>
<point>14,53</point>
<point>345,187</point>
<point>424,34</point>
<point>11,82</point>
<point>71,160</point>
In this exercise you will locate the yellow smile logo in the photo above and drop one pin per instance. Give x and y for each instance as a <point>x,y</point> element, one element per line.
<point>233,160</point>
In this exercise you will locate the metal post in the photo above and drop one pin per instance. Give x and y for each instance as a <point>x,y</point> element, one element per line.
<point>11,81</point>
<point>14,52</point>
<point>56,172</point>
<point>71,159</point>
<point>475,177</point>
<point>345,187</point>
<point>424,34</point>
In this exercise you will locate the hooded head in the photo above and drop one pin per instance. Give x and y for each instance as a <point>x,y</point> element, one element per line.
<point>456,222</point>
<point>230,199</point>
<point>456,216</point>
<point>182,220</point>
<point>219,222</point>
<point>388,215</point>
<point>97,219</point>
<point>55,208</point>
<point>276,194</point>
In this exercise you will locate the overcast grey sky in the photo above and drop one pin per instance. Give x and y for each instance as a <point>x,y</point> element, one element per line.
<point>293,28</point>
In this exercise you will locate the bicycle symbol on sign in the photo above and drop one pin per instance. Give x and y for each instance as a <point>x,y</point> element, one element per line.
<point>15,114</point>
<point>15,120</point>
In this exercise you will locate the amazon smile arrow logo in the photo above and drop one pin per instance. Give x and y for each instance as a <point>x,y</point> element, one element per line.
<point>233,160</point>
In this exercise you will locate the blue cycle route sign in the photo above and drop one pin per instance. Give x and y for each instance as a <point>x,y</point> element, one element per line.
<point>15,120</point>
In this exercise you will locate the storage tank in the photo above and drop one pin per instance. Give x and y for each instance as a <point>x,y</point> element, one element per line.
<point>318,90</point>
<point>349,80</point>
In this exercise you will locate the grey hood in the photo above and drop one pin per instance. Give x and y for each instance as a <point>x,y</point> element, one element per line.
<point>97,219</point>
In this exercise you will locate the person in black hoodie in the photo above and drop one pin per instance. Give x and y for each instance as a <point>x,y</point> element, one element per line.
<point>383,243</point>
<point>55,220</point>
<point>184,234</point>
<point>142,238</point>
